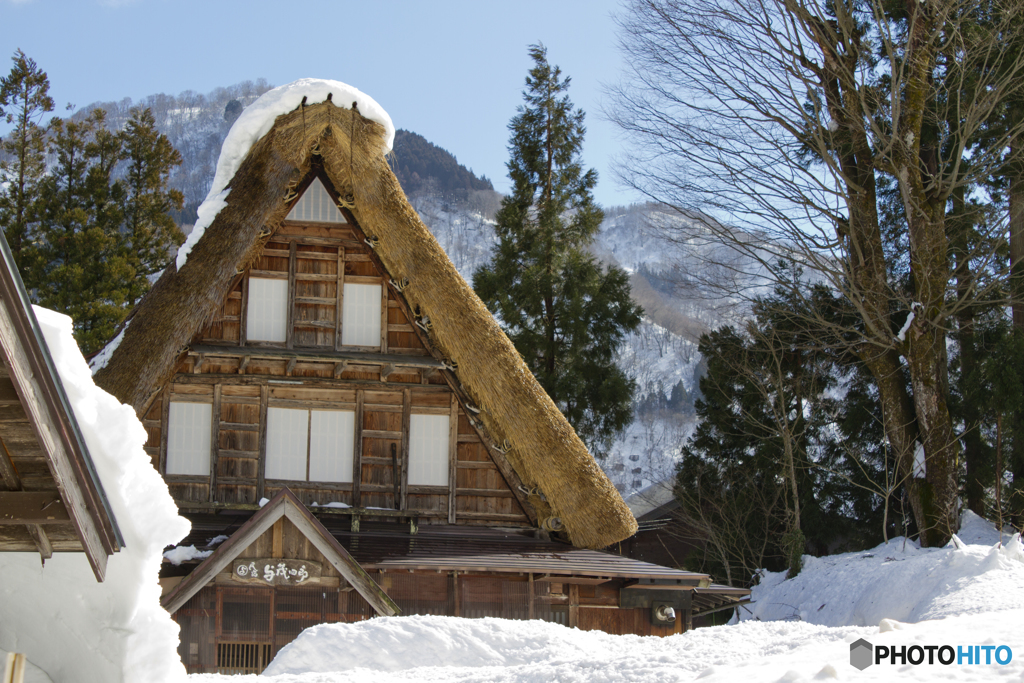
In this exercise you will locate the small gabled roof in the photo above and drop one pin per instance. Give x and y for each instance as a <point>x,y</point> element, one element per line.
<point>349,151</point>
<point>66,500</point>
<point>286,505</point>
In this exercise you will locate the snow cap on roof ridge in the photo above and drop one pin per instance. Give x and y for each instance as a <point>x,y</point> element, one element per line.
<point>257,119</point>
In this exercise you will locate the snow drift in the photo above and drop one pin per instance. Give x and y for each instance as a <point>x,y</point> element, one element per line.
<point>71,626</point>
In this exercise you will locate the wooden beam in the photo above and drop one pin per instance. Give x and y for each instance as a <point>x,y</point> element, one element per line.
<point>8,473</point>
<point>340,368</point>
<point>32,507</point>
<point>41,540</point>
<point>574,605</point>
<point>277,542</point>
<point>324,356</point>
<point>290,366</point>
<point>386,370</point>
<point>244,364</point>
<point>165,421</point>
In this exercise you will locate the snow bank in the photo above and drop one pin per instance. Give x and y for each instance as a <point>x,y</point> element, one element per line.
<point>68,624</point>
<point>966,594</point>
<point>256,120</point>
<point>898,580</point>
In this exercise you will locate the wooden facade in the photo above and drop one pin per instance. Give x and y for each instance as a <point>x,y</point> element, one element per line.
<point>385,386</point>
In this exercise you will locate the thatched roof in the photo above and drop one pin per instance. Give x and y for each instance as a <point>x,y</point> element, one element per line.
<point>545,451</point>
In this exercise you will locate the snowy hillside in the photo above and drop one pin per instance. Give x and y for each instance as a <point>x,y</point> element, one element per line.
<point>903,599</point>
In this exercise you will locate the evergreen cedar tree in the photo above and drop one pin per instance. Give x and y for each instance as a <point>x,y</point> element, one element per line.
<point>24,100</point>
<point>89,232</point>
<point>566,315</point>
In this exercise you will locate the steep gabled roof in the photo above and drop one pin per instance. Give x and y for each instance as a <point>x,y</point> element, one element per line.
<point>286,505</point>
<point>38,424</point>
<point>349,151</point>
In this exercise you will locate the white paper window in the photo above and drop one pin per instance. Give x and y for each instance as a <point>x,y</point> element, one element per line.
<point>330,445</point>
<point>267,310</point>
<point>321,439</point>
<point>316,205</point>
<point>428,450</point>
<point>188,438</point>
<point>360,319</point>
<point>287,432</point>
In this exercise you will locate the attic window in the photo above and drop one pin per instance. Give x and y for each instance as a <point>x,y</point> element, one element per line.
<point>310,445</point>
<point>267,310</point>
<point>316,205</point>
<point>360,317</point>
<point>428,450</point>
<point>188,438</point>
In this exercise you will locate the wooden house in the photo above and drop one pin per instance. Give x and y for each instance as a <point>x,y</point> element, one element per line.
<point>317,339</point>
<point>51,499</point>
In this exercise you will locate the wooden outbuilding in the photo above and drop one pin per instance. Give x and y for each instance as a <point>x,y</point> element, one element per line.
<point>318,339</point>
<point>51,499</point>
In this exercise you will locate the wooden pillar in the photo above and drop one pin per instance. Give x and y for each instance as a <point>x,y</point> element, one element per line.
<point>532,614</point>
<point>384,314</point>
<point>357,456</point>
<point>290,316</point>
<point>341,298</point>
<point>687,611</point>
<point>243,313</point>
<point>214,441</point>
<point>574,605</point>
<point>262,466</point>
<point>277,546</point>
<point>165,424</point>
<point>403,456</point>
<point>453,459</point>
<point>458,597</point>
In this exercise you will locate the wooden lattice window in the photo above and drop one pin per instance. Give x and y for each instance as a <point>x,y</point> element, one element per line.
<point>267,310</point>
<point>243,658</point>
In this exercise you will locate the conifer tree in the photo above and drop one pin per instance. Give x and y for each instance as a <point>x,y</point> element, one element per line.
<point>24,99</point>
<point>79,270</point>
<point>566,314</point>
<point>149,232</point>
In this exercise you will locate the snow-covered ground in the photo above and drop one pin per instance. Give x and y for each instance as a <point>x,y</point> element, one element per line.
<point>895,595</point>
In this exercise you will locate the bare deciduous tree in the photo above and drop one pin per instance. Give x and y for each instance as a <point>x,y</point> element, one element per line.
<point>786,117</point>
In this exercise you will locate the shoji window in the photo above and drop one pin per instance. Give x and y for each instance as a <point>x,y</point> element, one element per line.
<point>428,450</point>
<point>267,310</point>
<point>360,317</point>
<point>316,205</point>
<point>315,441</point>
<point>188,438</point>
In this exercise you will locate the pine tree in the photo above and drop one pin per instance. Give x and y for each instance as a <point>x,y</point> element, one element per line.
<point>566,314</point>
<point>24,99</point>
<point>149,232</point>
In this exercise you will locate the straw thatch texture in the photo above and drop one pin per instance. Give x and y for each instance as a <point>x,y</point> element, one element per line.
<point>545,450</point>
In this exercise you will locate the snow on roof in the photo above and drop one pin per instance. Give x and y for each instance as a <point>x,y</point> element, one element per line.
<point>257,119</point>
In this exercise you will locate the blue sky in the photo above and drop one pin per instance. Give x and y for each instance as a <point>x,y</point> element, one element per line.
<point>450,70</point>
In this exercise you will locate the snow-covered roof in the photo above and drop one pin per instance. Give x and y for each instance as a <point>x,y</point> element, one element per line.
<point>257,119</point>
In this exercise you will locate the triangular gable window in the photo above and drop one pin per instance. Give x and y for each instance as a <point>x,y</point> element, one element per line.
<point>316,205</point>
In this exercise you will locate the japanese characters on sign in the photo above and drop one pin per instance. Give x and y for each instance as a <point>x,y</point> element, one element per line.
<point>276,572</point>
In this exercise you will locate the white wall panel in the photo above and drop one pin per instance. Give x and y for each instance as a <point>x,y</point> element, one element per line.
<point>188,438</point>
<point>287,431</point>
<point>428,450</point>
<point>267,310</point>
<point>360,319</point>
<point>330,445</point>
<point>316,205</point>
